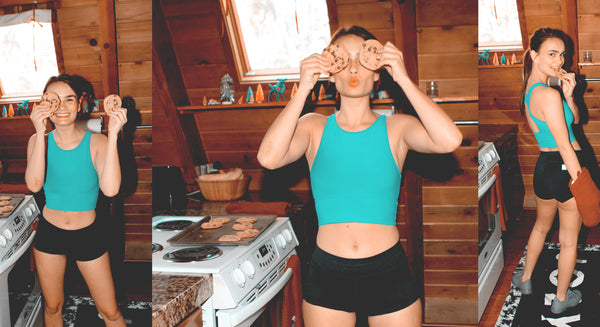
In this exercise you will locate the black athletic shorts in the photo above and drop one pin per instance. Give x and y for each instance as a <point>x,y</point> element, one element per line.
<point>83,244</point>
<point>551,178</point>
<point>371,286</point>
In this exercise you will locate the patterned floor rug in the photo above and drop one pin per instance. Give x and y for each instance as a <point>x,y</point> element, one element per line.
<point>81,312</point>
<point>534,310</point>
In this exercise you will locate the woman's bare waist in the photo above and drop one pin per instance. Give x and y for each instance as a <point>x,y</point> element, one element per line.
<point>69,220</point>
<point>356,240</point>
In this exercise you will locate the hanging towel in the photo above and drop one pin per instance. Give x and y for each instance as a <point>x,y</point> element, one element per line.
<point>587,196</point>
<point>292,295</point>
<point>498,198</point>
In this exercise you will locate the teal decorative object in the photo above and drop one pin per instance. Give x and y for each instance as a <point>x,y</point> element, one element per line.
<point>4,112</point>
<point>278,89</point>
<point>22,108</point>
<point>250,97</point>
<point>484,58</point>
<point>503,60</point>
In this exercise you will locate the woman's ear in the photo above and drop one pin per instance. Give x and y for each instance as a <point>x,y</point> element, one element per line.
<point>533,54</point>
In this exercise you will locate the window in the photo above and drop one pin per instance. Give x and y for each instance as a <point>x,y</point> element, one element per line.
<point>267,43</point>
<point>499,27</point>
<point>19,56</point>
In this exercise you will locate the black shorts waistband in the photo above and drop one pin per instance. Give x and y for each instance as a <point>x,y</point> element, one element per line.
<point>396,252</point>
<point>555,157</point>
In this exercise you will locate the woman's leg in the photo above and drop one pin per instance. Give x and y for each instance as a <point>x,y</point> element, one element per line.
<point>99,280</point>
<point>316,316</point>
<point>51,274</point>
<point>407,317</point>
<point>570,223</point>
<point>546,210</point>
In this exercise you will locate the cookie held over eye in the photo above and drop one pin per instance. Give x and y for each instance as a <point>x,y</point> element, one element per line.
<point>51,99</point>
<point>336,56</point>
<point>370,54</point>
<point>112,103</point>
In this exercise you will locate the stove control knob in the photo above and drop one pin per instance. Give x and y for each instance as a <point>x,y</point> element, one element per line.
<point>238,277</point>
<point>287,235</point>
<point>8,234</point>
<point>280,240</point>
<point>32,207</point>
<point>28,212</point>
<point>2,241</point>
<point>248,268</point>
<point>488,157</point>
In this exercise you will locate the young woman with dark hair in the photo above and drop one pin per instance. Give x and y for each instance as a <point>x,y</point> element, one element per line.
<point>78,165</point>
<point>550,116</point>
<point>359,264</point>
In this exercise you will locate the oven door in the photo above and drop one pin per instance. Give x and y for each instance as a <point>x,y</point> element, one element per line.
<point>490,231</point>
<point>246,313</point>
<point>24,294</point>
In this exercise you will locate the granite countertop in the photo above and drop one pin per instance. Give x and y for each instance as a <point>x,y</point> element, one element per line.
<point>174,297</point>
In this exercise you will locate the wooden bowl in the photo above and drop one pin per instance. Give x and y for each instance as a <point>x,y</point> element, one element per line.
<point>223,190</point>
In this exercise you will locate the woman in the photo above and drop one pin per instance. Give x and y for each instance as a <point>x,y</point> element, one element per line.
<point>357,241</point>
<point>79,163</point>
<point>550,117</point>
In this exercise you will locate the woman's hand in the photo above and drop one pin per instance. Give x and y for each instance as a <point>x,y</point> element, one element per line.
<point>393,61</point>
<point>310,70</point>
<point>117,118</point>
<point>39,115</point>
<point>569,82</point>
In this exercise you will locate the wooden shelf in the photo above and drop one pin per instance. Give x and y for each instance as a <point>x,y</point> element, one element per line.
<point>499,66</point>
<point>323,103</point>
<point>588,64</point>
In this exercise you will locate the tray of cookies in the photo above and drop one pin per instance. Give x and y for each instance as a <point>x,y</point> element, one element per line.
<point>224,230</point>
<point>8,203</point>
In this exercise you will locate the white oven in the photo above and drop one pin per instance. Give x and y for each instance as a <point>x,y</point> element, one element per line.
<point>20,294</point>
<point>245,277</point>
<point>491,257</point>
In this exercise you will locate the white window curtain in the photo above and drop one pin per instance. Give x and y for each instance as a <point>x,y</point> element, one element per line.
<point>41,15</point>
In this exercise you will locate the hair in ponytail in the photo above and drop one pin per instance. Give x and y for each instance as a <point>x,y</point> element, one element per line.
<point>539,36</point>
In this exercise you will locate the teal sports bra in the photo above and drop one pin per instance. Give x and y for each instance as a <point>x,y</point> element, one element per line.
<point>71,180</point>
<point>354,177</point>
<point>543,136</point>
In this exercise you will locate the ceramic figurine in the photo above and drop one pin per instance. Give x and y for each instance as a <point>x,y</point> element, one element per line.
<point>204,101</point>
<point>4,112</point>
<point>260,95</point>
<point>322,94</point>
<point>213,102</point>
<point>513,59</point>
<point>250,96</point>
<point>11,110</point>
<point>503,60</point>
<point>278,89</point>
<point>484,58</point>
<point>241,100</point>
<point>22,108</point>
<point>227,91</point>
<point>496,61</point>
<point>294,90</point>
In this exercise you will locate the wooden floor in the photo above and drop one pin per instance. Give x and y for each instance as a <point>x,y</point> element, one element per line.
<point>514,242</point>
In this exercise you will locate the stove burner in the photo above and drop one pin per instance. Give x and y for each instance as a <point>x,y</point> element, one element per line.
<point>193,254</point>
<point>172,225</point>
<point>156,247</point>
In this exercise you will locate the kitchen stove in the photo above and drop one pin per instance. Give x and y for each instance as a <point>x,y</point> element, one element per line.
<point>245,277</point>
<point>16,235</point>
<point>199,253</point>
<point>173,225</point>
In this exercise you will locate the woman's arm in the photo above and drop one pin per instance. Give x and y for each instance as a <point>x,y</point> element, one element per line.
<point>107,160</point>
<point>568,85</point>
<point>287,138</point>
<point>553,114</point>
<point>35,172</point>
<point>436,133</point>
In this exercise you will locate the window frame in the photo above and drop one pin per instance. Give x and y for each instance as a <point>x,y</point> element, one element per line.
<point>240,59</point>
<point>511,46</point>
<point>15,8</point>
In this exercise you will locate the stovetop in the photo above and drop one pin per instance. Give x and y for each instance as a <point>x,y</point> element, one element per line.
<point>16,228</point>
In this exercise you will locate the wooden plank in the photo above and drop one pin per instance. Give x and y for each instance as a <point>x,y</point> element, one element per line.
<point>71,17</point>
<point>78,37</point>
<point>133,11</point>
<point>367,15</point>
<point>134,32</point>
<point>446,12</point>
<point>135,71</point>
<point>588,7</point>
<point>174,8</point>
<point>108,47</point>
<point>462,38</point>
<point>447,247</point>
<point>453,231</point>
<point>452,87</point>
<point>134,51</point>
<point>450,195</point>
<point>450,262</point>
<point>451,277</point>
<point>141,88</point>
<point>433,67</point>
<point>449,214</point>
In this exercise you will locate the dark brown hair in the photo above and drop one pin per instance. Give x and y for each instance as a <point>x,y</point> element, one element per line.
<point>352,30</point>
<point>82,88</point>
<point>539,36</point>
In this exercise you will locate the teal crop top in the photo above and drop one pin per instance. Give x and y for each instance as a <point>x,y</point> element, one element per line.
<point>71,180</point>
<point>354,177</point>
<point>543,136</point>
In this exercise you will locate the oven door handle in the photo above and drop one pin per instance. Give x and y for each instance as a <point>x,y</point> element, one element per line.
<point>237,316</point>
<point>486,186</point>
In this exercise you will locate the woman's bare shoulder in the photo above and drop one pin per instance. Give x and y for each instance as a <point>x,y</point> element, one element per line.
<point>400,119</point>
<point>312,119</point>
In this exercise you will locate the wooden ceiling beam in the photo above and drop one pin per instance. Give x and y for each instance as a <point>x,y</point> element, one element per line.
<point>568,11</point>
<point>108,46</point>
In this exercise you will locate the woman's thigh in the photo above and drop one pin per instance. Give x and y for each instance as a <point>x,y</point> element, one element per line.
<point>99,280</point>
<point>410,316</point>
<point>51,274</point>
<point>317,316</point>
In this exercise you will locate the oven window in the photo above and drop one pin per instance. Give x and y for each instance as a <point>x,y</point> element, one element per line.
<point>486,219</point>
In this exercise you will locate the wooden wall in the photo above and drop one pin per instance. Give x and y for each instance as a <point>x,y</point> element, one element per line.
<point>78,23</point>
<point>500,87</point>
<point>447,38</point>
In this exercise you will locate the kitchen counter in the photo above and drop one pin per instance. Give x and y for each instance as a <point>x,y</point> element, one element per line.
<point>174,297</point>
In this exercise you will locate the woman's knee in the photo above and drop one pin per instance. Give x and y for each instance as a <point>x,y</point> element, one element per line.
<point>542,228</point>
<point>112,314</point>
<point>53,307</point>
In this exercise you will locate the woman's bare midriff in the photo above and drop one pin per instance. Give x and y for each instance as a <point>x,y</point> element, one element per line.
<point>69,220</point>
<point>356,240</point>
<point>575,145</point>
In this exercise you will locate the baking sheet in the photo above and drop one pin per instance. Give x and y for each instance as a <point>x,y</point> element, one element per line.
<point>15,201</point>
<point>196,235</point>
